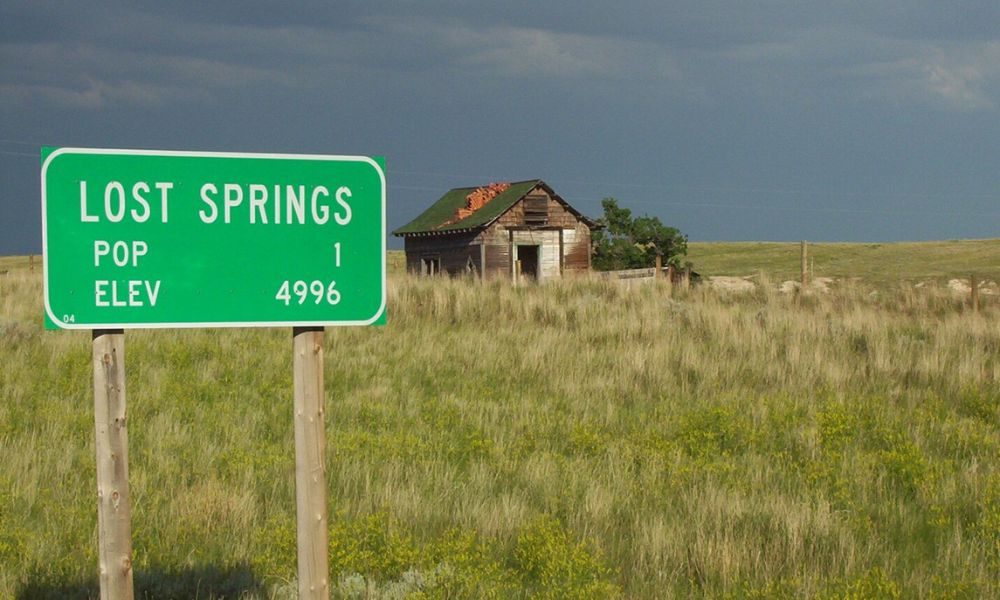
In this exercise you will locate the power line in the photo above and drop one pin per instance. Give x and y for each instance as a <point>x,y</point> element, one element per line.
<point>724,189</point>
<point>415,188</point>
<point>813,209</point>
<point>21,142</point>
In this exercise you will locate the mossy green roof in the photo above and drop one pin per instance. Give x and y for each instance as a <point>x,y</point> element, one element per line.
<point>442,211</point>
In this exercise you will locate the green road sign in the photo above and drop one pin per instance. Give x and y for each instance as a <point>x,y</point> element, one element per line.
<point>142,238</point>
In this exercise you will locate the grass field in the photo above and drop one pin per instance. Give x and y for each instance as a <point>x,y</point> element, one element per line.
<point>879,264</point>
<point>571,440</point>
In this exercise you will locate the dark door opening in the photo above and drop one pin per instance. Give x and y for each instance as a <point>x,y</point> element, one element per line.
<point>528,255</point>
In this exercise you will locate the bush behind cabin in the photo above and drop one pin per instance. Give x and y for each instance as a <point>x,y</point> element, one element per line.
<point>634,243</point>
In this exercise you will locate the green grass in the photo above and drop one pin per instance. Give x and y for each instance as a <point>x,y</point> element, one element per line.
<point>395,262</point>
<point>874,263</point>
<point>572,440</point>
<point>12,264</point>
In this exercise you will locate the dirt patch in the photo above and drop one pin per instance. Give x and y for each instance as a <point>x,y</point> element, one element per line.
<point>821,284</point>
<point>962,287</point>
<point>731,284</point>
<point>817,284</point>
<point>959,286</point>
<point>788,287</point>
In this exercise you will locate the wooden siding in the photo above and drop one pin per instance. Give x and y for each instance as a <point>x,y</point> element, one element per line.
<point>454,252</point>
<point>498,251</point>
<point>536,210</point>
<point>558,216</point>
<point>576,248</point>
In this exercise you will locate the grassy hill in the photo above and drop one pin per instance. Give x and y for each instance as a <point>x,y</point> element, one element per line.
<point>874,263</point>
<point>572,440</point>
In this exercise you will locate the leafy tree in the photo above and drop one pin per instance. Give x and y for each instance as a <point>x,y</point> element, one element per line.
<point>633,243</point>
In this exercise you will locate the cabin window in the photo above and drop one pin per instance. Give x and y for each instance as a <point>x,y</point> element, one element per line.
<point>536,211</point>
<point>430,265</point>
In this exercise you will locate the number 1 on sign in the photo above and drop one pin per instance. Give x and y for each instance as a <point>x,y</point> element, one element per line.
<point>336,254</point>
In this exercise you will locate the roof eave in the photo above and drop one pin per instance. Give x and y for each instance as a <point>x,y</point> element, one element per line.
<point>405,234</point>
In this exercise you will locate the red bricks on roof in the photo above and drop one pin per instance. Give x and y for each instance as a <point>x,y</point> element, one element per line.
<point>477,199</point>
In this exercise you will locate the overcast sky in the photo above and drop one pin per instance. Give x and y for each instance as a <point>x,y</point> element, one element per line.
<point>731,120</point>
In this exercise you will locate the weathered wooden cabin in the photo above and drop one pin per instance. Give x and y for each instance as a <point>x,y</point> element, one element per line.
<point>485,231</point>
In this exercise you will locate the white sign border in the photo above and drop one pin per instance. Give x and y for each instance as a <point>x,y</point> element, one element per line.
<point>198,154</point>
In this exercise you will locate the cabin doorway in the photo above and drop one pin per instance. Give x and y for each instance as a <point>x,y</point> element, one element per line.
<point>528,256</point>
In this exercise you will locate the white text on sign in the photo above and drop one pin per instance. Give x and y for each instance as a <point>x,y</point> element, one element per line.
<point>255,203</point>
<point>133,292</point>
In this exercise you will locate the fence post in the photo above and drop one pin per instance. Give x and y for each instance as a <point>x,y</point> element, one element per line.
<point>310,464</point>
<point>974,292</point>
<point>114,513</point>
<point>482,262</point>
<point>804,281</point>
<point>31,262</point>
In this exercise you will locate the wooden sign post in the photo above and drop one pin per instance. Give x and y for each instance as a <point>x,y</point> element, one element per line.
<point>310,465</point>
<point>114,513</point>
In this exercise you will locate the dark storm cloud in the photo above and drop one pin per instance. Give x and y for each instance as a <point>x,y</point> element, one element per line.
<point>899,52</point>
<point>670,106</point>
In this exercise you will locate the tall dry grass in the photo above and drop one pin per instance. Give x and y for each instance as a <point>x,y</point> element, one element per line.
<point>575,439</point>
